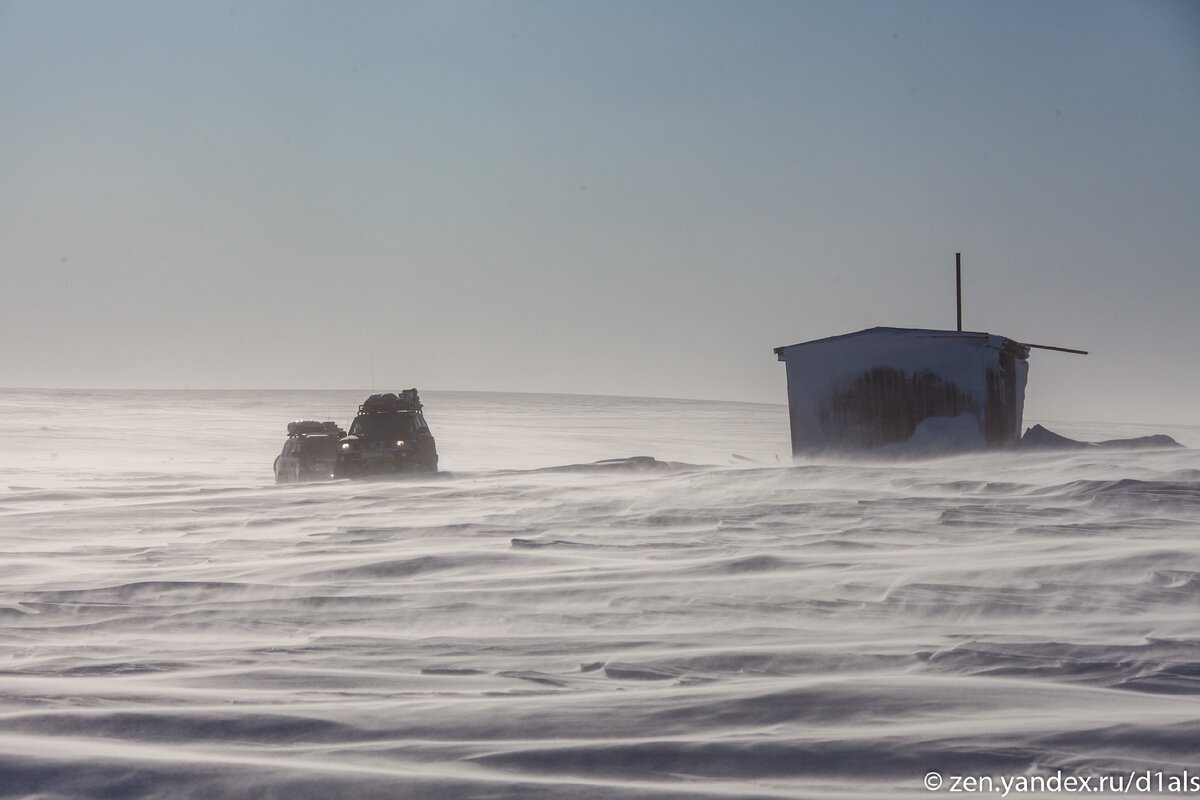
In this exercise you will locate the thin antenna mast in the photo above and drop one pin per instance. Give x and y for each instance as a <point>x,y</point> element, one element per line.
<point>958,285</point>
<point>958,293</point>
<point>372,373</point>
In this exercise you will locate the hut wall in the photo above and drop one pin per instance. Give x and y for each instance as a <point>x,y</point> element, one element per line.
<point>874,389</point>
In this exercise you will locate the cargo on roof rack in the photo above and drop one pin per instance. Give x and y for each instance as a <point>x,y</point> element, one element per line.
<point>310,427</point>
<point>407,400</point>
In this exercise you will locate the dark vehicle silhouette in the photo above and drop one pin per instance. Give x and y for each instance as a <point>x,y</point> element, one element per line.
<point>310,452</point>
<point>389,435</point>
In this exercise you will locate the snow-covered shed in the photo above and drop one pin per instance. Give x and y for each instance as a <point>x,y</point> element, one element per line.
<point>881,386</point>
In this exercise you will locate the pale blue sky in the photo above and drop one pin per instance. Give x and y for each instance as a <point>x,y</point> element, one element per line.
<point>621,198</point>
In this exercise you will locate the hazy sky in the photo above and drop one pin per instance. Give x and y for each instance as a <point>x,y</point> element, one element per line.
<point>619,198</point>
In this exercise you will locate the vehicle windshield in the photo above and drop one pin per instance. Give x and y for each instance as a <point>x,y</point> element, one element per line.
<point>319,448</point>
<point>383,426</point>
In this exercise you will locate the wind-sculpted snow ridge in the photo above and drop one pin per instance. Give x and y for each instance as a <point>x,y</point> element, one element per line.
<point>172,625</point>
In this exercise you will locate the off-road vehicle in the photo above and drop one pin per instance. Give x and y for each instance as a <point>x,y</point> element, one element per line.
<point>310,452</point>
<point>388,435</point>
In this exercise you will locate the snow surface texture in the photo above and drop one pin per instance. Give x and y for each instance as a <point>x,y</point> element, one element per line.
<point>173,625</point>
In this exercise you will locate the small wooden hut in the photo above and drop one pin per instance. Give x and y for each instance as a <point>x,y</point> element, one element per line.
<point>880,386</point>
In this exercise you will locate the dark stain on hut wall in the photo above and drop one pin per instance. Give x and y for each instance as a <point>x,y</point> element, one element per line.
<point>885,406</point>
<point>1002,423</point>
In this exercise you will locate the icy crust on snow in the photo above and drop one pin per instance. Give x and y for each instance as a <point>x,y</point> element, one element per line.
<point>1039,437</point>
<point>946,436</point>
<point>817,371</point>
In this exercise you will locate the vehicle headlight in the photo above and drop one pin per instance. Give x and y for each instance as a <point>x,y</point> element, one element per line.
<point>345,445</point>
<point>399,443</point>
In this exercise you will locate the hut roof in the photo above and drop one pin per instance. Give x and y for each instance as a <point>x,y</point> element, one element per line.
<point>916,333</point>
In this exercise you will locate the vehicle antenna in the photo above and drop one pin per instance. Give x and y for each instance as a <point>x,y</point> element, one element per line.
<point>372,373</point>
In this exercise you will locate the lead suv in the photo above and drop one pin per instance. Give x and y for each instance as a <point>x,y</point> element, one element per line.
<point>388,435</point>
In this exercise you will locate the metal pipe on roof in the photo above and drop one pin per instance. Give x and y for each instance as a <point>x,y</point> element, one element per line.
<point>1052,347</point>
<point>958,285</point>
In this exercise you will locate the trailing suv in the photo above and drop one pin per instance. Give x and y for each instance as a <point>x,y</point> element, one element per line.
<point>310,452</point>
<point>388,435</point>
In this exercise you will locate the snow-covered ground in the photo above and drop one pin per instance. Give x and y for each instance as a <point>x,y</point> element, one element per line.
<point>174,625</point>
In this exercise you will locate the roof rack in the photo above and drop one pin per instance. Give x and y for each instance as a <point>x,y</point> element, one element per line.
<point>407,400</point>
<point>310,427</point>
